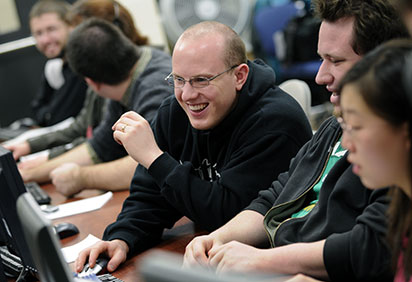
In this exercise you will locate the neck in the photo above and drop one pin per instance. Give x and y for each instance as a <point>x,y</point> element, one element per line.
<point>117,91</point>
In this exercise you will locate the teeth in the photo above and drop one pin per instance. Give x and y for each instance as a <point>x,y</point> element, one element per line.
<point>197,107</point>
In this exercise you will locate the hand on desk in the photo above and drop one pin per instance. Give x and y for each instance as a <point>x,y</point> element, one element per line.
<point>238,257</point>
<point>67,179</point>
<point>19,149</point>
<point>33,162</point>
<point>116,250</point>
<point>197,251</point>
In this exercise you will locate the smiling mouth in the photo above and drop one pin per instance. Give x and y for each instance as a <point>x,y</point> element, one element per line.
<point>197,107</point>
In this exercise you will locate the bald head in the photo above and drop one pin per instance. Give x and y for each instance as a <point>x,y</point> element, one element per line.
<point>232,48</point>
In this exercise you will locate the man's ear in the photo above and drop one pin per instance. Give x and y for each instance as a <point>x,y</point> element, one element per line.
<point>93,84</point>
<point>241,73</point>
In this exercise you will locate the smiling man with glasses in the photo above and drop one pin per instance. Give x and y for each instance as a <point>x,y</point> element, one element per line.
<point>226,134</point>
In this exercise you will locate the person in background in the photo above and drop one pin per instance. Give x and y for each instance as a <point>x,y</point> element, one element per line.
<point>226,133</point>
<point>318,217</point>
<point>132,77</point>
<point>405,10</point>
<point>70,181</point>
<point>62,92</point>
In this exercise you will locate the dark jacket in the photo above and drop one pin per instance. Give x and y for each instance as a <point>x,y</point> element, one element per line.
<point>61,141</point>
<point>51,106</point>
<point>350,217</point>
<point>146,92</point>
<point>209,176</point>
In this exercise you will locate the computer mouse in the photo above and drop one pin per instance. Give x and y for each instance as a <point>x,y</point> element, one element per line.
<point>99,268</point>
<point>65,229</point>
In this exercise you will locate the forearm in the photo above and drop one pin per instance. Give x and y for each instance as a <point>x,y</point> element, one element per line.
<point>115,175</point>
<point>306,258</point>
<point>79,155</point>
<point>246,227</point>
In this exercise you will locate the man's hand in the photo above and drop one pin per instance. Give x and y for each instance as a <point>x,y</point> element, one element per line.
<point>135,134</point>
<point>67,178</point>
<point>197,251</point>
<point>19,149</point>
<point>238,257</point>
<point>33,162</point>
<point>116,250</point>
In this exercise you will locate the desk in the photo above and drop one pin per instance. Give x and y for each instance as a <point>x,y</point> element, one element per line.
<point>95,222</point>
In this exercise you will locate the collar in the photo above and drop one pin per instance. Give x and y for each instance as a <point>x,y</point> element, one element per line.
<point>141,64</point>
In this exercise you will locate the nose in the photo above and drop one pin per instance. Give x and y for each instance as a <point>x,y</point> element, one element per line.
<point>188,92</point>
<point>43,38</point>
<point>324,77</point>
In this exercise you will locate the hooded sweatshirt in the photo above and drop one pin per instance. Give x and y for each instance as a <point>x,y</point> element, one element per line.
<point>211,175</point>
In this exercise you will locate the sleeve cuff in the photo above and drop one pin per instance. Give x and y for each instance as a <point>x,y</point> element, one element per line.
<point>161,168</point>
<point>95,158</point>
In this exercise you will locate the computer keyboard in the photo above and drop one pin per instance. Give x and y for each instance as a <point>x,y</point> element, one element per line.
<point>41,196</point>
<point>11,263</point>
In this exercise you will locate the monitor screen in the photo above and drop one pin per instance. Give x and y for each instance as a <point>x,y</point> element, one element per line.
<point>12,186</point>
<point>43,242</point>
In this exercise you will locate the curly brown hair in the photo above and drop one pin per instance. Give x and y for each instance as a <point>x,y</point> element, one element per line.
<point>106,9</point>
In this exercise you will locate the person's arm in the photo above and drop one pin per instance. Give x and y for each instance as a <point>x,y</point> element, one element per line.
<point>40,103</point>
<point>306,258</point>
<point>71,178</point>
<point>246,227</point>
<point>92,107</point>
<point>79,155</point>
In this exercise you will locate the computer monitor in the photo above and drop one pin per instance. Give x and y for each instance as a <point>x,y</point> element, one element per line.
<point>43,242</point>
<point>12,186</point>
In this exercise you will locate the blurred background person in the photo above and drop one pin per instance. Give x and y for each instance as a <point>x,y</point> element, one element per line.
<point>62,92</point>
<point>90,117</point>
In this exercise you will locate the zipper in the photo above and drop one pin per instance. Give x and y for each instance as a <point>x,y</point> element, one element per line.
<point>272,243</point>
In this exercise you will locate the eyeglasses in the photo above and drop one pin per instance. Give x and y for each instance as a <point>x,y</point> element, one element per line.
<point>195,82</point>
<point>345,127</point>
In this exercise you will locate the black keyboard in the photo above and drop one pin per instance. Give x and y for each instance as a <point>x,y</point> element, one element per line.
<point>108,278</point>
<point>41,196</point>
<point>11,263</point>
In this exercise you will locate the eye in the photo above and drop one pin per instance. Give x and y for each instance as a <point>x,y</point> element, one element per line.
<point>200,81</point>
<point>178,79</point>
<point>336,61</point>
<point>51,28</point>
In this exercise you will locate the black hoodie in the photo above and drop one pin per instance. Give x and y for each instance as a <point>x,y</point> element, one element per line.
<point>209,176</point>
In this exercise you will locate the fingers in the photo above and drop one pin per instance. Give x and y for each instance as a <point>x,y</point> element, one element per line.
<point>115,261</point>
<point>126,119</point>
<point>196,251</point>
<point>92,254</point>
<point>118,250</point>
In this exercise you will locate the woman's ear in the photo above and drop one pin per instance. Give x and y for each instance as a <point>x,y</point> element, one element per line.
<point>241,72</point>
